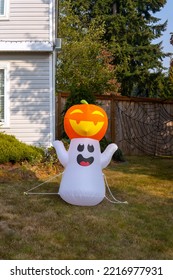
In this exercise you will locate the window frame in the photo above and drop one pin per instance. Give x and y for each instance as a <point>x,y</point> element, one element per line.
<point>5,121</point>
<point>5,16</point>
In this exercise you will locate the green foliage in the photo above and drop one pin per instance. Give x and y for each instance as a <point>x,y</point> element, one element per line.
<point>171,39</point>
<point>117,156</point>
<point>14,151</point>
<point>130,28</point>
<point>170,79</point>
<point>84,64</point>
<point>159,88</point>
<point>76,95</point>
<point>50,156</point>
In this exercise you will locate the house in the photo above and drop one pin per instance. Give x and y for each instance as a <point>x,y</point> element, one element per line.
<point>27,69</point>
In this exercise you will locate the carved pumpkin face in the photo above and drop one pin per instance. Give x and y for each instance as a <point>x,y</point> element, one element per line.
<point>85,121</point>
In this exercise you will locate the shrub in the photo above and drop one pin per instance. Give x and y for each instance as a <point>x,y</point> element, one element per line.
<point>13,150</point>
<point>117,156</point>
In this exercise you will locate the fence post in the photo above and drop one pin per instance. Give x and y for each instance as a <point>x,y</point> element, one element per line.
<point>113,119</point>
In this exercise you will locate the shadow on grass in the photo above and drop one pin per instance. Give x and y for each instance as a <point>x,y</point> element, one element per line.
<point>158,167</point>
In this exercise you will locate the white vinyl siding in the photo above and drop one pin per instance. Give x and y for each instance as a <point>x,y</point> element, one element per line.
<point>27,35</point>
<point>28,20</point>
<point>30,98</point>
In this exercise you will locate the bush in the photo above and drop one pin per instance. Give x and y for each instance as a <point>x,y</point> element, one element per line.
<point>78,94</point>
<point>117,156</point>
<point>13,150</point>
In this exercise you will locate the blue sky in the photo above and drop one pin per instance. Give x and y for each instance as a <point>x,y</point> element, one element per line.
<point>166,14</point>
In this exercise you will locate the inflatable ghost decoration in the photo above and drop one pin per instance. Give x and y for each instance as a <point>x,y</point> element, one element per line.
<point>82,181</point>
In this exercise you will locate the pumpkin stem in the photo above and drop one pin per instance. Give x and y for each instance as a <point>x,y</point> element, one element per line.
<point>83,101</point>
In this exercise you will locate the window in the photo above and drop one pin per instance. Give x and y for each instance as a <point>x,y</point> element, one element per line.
<point>4,9</point>
<point>4,114</point>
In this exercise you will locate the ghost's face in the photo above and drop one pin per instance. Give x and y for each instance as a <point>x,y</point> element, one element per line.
<point>84,151</point>
<point>85,161</point>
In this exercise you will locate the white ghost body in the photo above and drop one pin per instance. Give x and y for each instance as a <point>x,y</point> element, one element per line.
<point>82,181</point>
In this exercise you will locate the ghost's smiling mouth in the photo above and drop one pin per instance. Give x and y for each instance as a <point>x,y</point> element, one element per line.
<point>84,161</point>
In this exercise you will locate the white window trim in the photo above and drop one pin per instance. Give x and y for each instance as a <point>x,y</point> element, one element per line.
<point>6,122</point>
<point>6,11</point>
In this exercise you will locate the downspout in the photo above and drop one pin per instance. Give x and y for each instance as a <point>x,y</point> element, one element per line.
<point>53,61</point>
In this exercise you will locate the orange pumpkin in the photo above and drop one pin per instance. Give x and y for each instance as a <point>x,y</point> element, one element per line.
<point>85,121</point>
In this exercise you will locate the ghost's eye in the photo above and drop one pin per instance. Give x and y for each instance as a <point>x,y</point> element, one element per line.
<point>91,148</point>
<point>80,148</point>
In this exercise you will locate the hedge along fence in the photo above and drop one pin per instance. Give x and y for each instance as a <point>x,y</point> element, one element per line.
<point>137,125</point>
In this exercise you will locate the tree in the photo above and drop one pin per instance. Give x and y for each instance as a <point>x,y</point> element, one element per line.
<point>84,65</point>
<point>171,39</point>
<point>170,80</point>
<point>171,72</point>
<point>130,28</point>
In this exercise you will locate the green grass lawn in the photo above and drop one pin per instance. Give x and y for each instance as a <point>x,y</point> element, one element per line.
<point>45,227</point>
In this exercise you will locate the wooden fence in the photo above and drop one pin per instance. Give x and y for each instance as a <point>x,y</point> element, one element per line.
<point>137,125</point>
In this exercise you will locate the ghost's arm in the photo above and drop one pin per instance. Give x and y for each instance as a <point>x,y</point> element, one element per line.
<point>61,152</point>
<point>106,156</point>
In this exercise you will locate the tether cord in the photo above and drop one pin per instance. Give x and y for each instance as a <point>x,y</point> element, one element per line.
<point>29,192</point>
<point>50,179</point>
<point>114,199</point>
